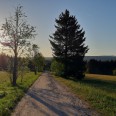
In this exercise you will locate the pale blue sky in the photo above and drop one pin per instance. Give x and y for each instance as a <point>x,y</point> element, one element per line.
<point>96,17</point>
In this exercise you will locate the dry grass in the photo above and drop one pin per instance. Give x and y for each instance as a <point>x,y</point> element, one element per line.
<point>4,77</point>
<point>98,90</point>
<point>101,77</point>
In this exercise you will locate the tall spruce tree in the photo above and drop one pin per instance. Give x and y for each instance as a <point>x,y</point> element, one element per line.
<point>68,45</point>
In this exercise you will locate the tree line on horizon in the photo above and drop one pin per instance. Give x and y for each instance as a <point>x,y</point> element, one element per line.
<point>34,64</point>
<point>101,67</point>
<point>93,66</point>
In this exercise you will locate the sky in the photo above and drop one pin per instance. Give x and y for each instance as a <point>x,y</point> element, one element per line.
<point>96,17</point>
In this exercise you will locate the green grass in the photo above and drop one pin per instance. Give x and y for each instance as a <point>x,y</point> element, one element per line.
<point>98,90</point>
<point>3,77</point>
<point>9,95</point>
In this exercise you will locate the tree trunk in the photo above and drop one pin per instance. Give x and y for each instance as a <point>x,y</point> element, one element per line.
<point>15,70</point>
<point>65,68</point>
<point>66,65</point>
<point>35,70</point>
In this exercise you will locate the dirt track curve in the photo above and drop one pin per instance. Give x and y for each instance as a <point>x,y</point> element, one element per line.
<point>48,98</point>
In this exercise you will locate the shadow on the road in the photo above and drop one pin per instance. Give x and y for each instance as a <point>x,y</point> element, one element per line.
<point>48,105</point>
<point>58,101</point>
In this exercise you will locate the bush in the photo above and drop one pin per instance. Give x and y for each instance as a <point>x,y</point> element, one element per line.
<point>57,68</point>
<point>114,72</point>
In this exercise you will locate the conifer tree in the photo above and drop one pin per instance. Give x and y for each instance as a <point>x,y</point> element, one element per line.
<point>68,45</point>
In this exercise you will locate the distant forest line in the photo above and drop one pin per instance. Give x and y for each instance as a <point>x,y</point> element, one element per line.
<point>105,65</point>
<point>98,58</point>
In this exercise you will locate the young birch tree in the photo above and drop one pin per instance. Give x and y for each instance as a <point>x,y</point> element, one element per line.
<point>16,34</point>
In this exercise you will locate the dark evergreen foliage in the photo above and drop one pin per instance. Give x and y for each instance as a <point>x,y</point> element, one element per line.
<point>101,67</point>
<point>31,66</point>
<point>68,45</point>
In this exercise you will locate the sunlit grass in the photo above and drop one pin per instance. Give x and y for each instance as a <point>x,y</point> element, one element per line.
<point>98,90</point>
<point>4,77</point>
<point>9,95</point>
<point>101,77</point>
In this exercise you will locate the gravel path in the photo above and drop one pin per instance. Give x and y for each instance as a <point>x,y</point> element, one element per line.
<point>47,98</point>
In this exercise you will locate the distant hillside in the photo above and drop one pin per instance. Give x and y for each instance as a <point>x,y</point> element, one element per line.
<point>102,58</point>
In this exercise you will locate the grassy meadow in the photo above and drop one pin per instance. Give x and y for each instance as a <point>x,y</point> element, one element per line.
<point>9,95</point>
<point>98,90</point>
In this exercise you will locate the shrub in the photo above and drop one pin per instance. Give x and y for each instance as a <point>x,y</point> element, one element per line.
<point>57,68</point>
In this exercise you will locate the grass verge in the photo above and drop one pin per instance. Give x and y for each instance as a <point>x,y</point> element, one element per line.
<point>98,90</point>
<point>9,95</point>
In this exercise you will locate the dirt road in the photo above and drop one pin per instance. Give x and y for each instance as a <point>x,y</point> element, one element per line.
<point>47,98</point>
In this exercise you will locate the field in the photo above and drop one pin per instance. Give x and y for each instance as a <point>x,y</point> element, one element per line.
<point>98,90</point>
<point>9,95</point>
